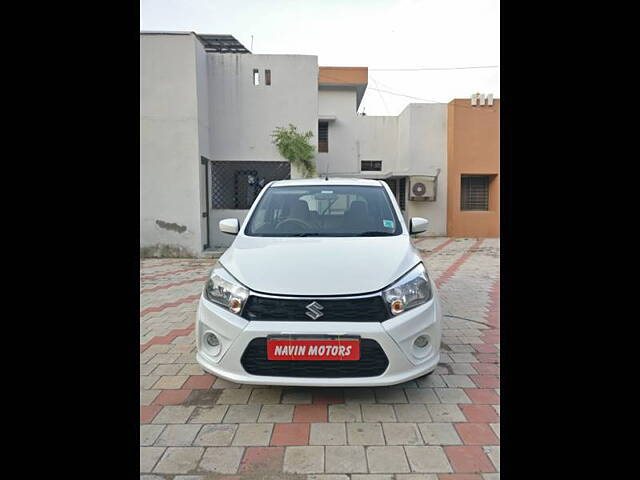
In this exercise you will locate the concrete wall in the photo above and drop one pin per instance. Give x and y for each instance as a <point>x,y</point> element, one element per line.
<point>243,116</point>
<point>474,148</point>
<point>169,145</point>
<point>428,152</point>
<point>413,143</point>
<point>378,140</point>
<point>342,156</point>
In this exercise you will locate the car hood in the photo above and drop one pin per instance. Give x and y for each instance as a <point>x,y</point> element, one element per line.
<point>315,266</point>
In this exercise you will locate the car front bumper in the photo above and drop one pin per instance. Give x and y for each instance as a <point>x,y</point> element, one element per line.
<point>395,336</point>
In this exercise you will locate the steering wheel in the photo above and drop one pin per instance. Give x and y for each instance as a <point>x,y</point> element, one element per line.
<point>297,221</point>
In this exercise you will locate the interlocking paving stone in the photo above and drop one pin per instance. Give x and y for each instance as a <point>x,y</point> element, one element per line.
<point>328,476</point>
<point>169,369</point>
<point>431,459</point>
<point>221,383</point>
<point>179,460</point>
<point>359,395</point>
<point>297,397</point>
<point>149,434</point>
<point>476,434</point>
<point>345,413</point>
<point>242,413</point>
<point>378,413</point>
<point>148,457</point>
<point>304,460</point>
<point>446,413</point>
<point>422,395</point>
<point>265,395</point>
<point>439,434</point>
<point>452,395</point>
<point>213,414</point>
<point>390,395</point>
<point>493,452</point>
<point>496,428</point>
<point>173,414</point>
<point>402,434</point>
<point>430,381</point>
<point>462,369</point>
<point>387,460</point>
<point>328,434</point>
<point>364,434</point>
<point>178,435</point>
<point>469,459</point>
<point>262,460</point>
<point>148,396</point>
<point>216,435</point>
<point>221,459</point>
<point>345,459</point>
<point>286,434</point>
<point>254,435</point>
<point>461,381</point>
<point>234,396</point>
<point>413,412</point>
<point>276,413</point>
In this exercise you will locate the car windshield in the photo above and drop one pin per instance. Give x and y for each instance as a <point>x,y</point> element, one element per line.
<point>324,211</point>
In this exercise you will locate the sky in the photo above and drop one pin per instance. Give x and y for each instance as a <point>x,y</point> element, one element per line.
<point>379,34</point>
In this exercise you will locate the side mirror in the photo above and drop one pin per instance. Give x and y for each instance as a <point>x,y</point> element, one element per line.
<point>417,225</point>
<point>230,226</point>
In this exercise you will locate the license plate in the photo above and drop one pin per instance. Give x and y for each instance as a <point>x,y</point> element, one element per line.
<point>313,349</point>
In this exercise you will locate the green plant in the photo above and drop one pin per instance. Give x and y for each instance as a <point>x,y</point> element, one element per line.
<point>295,147</point>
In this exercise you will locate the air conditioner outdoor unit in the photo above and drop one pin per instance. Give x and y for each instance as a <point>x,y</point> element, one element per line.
<point>423,188</point>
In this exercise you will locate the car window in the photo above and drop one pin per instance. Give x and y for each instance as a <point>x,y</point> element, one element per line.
<point>324,211</point>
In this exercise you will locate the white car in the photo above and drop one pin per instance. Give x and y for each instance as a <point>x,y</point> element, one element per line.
<point>321,287</point>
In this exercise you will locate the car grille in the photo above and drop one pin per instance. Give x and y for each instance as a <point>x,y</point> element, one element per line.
<point>373,362</point>
<point>365,309</point>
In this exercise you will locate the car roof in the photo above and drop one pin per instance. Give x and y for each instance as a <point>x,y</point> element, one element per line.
<point>322,181</point>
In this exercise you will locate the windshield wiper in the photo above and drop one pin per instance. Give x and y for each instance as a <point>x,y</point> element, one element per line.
<point>304,235</point>
<point>374,234</point>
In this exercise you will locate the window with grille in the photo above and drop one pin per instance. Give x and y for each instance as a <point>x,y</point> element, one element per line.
<point>371,165</point>
<point>267,77</point>
<point>398,187</point>
<point>475,192</point>
<point>402,193</point>
<point>323,137</point>
<point>235,185</point>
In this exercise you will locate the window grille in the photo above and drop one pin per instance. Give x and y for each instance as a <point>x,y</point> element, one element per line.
<point>475,192</point>
<point>323,137</point>
<point>371,165</point>
<point>236,184</point>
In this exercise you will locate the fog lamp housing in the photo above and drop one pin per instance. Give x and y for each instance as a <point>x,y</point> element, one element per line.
<point>421,342</point>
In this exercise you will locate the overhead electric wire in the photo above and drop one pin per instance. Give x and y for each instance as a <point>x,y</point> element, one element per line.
<point>324,75</point>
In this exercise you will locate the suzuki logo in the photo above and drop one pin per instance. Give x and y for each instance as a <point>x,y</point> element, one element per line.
<point>314,310</point>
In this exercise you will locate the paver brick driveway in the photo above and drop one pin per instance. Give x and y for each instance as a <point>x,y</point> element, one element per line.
<point>444,426</point>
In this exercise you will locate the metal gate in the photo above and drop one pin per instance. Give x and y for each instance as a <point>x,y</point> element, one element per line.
<point>234,186</point>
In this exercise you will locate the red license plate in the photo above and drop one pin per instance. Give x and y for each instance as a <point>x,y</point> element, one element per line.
<point>285,349</point>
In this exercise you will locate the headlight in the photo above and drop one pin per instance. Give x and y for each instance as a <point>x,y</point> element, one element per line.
<point>225,290</point>
<point>410,291</point>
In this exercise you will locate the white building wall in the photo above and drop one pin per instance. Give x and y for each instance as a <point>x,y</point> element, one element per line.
<point>169,145</point>
<point>342,157</point>
<point>377,138</point>
<point>243,116</point>
<point>427,149</point>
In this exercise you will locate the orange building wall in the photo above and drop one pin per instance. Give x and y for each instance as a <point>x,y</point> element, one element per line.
<point>343,75</point>
<point>473,148</point>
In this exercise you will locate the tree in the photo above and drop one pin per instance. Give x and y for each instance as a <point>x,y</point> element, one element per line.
<point>295,147</point>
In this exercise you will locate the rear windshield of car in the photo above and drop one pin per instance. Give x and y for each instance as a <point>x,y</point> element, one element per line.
<point>324,211</point>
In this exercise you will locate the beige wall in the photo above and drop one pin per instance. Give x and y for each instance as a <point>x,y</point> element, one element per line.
<point>473,148</point>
